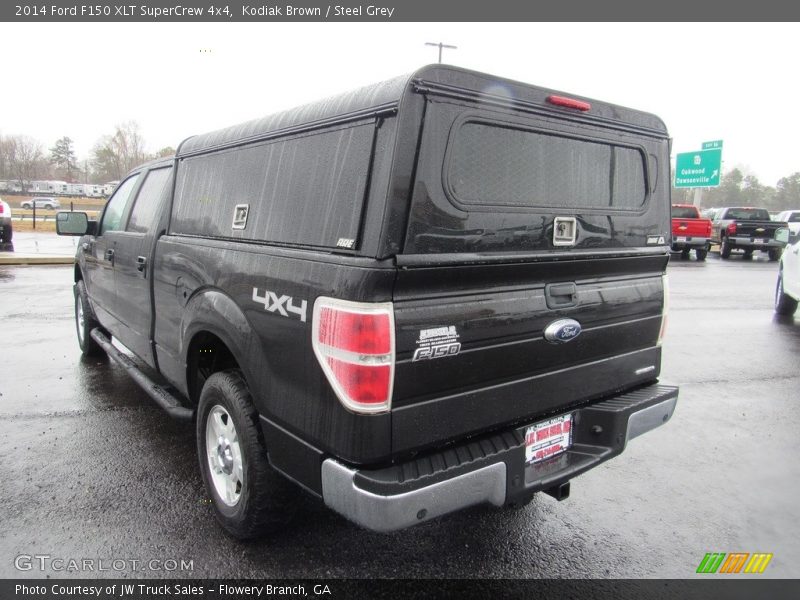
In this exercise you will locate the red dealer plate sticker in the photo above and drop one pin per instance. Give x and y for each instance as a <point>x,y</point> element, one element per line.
<point>548,438</point>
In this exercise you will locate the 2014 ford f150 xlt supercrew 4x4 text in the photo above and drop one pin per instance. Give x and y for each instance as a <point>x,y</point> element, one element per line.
<point>442,290</point>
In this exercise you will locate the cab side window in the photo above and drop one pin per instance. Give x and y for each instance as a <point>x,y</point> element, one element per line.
<point>112,218</point>
<point>148,200</point>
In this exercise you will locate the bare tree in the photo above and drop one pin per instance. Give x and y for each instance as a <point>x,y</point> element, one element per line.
<point>115,155</point>
<point>25,159</point>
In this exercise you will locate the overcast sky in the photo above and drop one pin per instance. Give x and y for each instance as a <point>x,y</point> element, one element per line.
<point>735,82</point>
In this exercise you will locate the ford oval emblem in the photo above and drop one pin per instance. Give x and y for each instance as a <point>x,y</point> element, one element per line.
<point>563,330</point>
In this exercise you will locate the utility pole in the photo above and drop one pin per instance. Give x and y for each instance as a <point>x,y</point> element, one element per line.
<point>440,45</point>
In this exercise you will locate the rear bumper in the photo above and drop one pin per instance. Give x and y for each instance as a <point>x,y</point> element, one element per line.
<point>690,242</point>
<point>491,469</point>
<point>748,242</point>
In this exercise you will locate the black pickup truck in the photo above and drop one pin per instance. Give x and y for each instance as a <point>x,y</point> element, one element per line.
<point>438,291</point>
<point>748,229</point>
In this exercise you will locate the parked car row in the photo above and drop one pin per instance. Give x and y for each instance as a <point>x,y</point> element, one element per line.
<point>736,228</point>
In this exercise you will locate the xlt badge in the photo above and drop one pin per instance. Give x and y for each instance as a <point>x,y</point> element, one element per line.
<point>563,330</point>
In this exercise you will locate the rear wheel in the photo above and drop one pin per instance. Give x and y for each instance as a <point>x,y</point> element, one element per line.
<point>85,322</point>
<point>784,304</point>
<point>249,496</point>
<point>748,255</point>
<point>685,254</point>
<point>724,248</point>
<point>775,253</point>
<point>701,253</point>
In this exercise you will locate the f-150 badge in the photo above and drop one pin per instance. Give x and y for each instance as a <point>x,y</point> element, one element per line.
<point>438,342</point>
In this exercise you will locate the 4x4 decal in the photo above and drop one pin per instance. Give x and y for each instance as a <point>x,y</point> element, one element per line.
<point>283,305</point>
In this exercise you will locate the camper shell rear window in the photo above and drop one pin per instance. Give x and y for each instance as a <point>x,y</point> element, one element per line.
<point>499,165</point>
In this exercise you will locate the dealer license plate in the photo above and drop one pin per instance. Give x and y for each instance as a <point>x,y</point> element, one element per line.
<point>759,241</point>
<point>680,239</point>
<point>548,438</point>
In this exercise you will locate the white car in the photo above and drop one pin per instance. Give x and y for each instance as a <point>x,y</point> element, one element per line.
<point>787,292</point>
<point>46,203</point>
<point>792,217</point>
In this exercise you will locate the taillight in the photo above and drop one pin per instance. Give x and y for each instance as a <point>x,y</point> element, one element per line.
<point>731,229</point>
<point>664,309</point>
<point>354,344</point>
<point>708,229</point>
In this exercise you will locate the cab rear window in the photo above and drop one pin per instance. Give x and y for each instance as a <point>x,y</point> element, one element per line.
<point>492,165</point>
<point>684,212</point>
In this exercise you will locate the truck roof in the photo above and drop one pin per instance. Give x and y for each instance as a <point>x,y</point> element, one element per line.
<point>387,96</point>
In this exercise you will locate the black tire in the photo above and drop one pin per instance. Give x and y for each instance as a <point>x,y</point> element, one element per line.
<point>724,248</point>
<point>784,304</point>
<point>262,500</point>
<point>48,207</point>
<point>748,255</point>
<point>26,205</point>
<point>85,322</point>
<point>685,254</point>
<point>701,253</point>
<point>775,254</point>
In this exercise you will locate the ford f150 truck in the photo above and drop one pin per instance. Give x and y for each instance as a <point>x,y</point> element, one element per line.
<point>748,229</point>
<point>690,231</point>
<point>438,291</point>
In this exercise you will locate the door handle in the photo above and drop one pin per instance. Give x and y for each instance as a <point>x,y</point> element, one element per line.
<point>141,263</point>
<point>110,255</point>
<point>560,295</point>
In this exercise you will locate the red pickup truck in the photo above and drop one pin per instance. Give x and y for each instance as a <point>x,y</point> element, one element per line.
<point>690,231</point>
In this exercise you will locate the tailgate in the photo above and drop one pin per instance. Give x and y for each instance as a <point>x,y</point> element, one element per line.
<point>758,229</point>
<point>474,357</point>
<point>691,227</point>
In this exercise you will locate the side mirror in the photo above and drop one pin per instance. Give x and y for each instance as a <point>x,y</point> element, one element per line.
<point>72,223</point>
<point>782,235</point>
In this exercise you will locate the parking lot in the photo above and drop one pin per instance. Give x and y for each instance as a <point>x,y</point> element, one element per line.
<point>93,469</point>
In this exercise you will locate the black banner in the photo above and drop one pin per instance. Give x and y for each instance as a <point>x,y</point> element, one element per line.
<point>189,11</point>
<point>464,589</point>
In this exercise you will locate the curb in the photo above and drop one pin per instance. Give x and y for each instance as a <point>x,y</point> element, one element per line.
<point>36,260</point>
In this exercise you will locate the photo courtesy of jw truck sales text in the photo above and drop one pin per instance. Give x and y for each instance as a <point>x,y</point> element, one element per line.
<point>406,300</point>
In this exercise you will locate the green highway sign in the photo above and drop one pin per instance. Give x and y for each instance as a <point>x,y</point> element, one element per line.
<point>712,145</point>
<point>698,169</point>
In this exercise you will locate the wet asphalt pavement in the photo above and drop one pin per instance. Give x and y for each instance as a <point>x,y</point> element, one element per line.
<point>93,469</point>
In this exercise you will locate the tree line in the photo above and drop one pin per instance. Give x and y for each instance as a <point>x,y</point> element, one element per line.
<point>737,189</point>
<point>24,158</point>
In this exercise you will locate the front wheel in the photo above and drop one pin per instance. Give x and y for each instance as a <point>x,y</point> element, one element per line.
<point>784,304</point>
<point>26,205</point>
<point>249,496</point>
<point>85,322</point>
